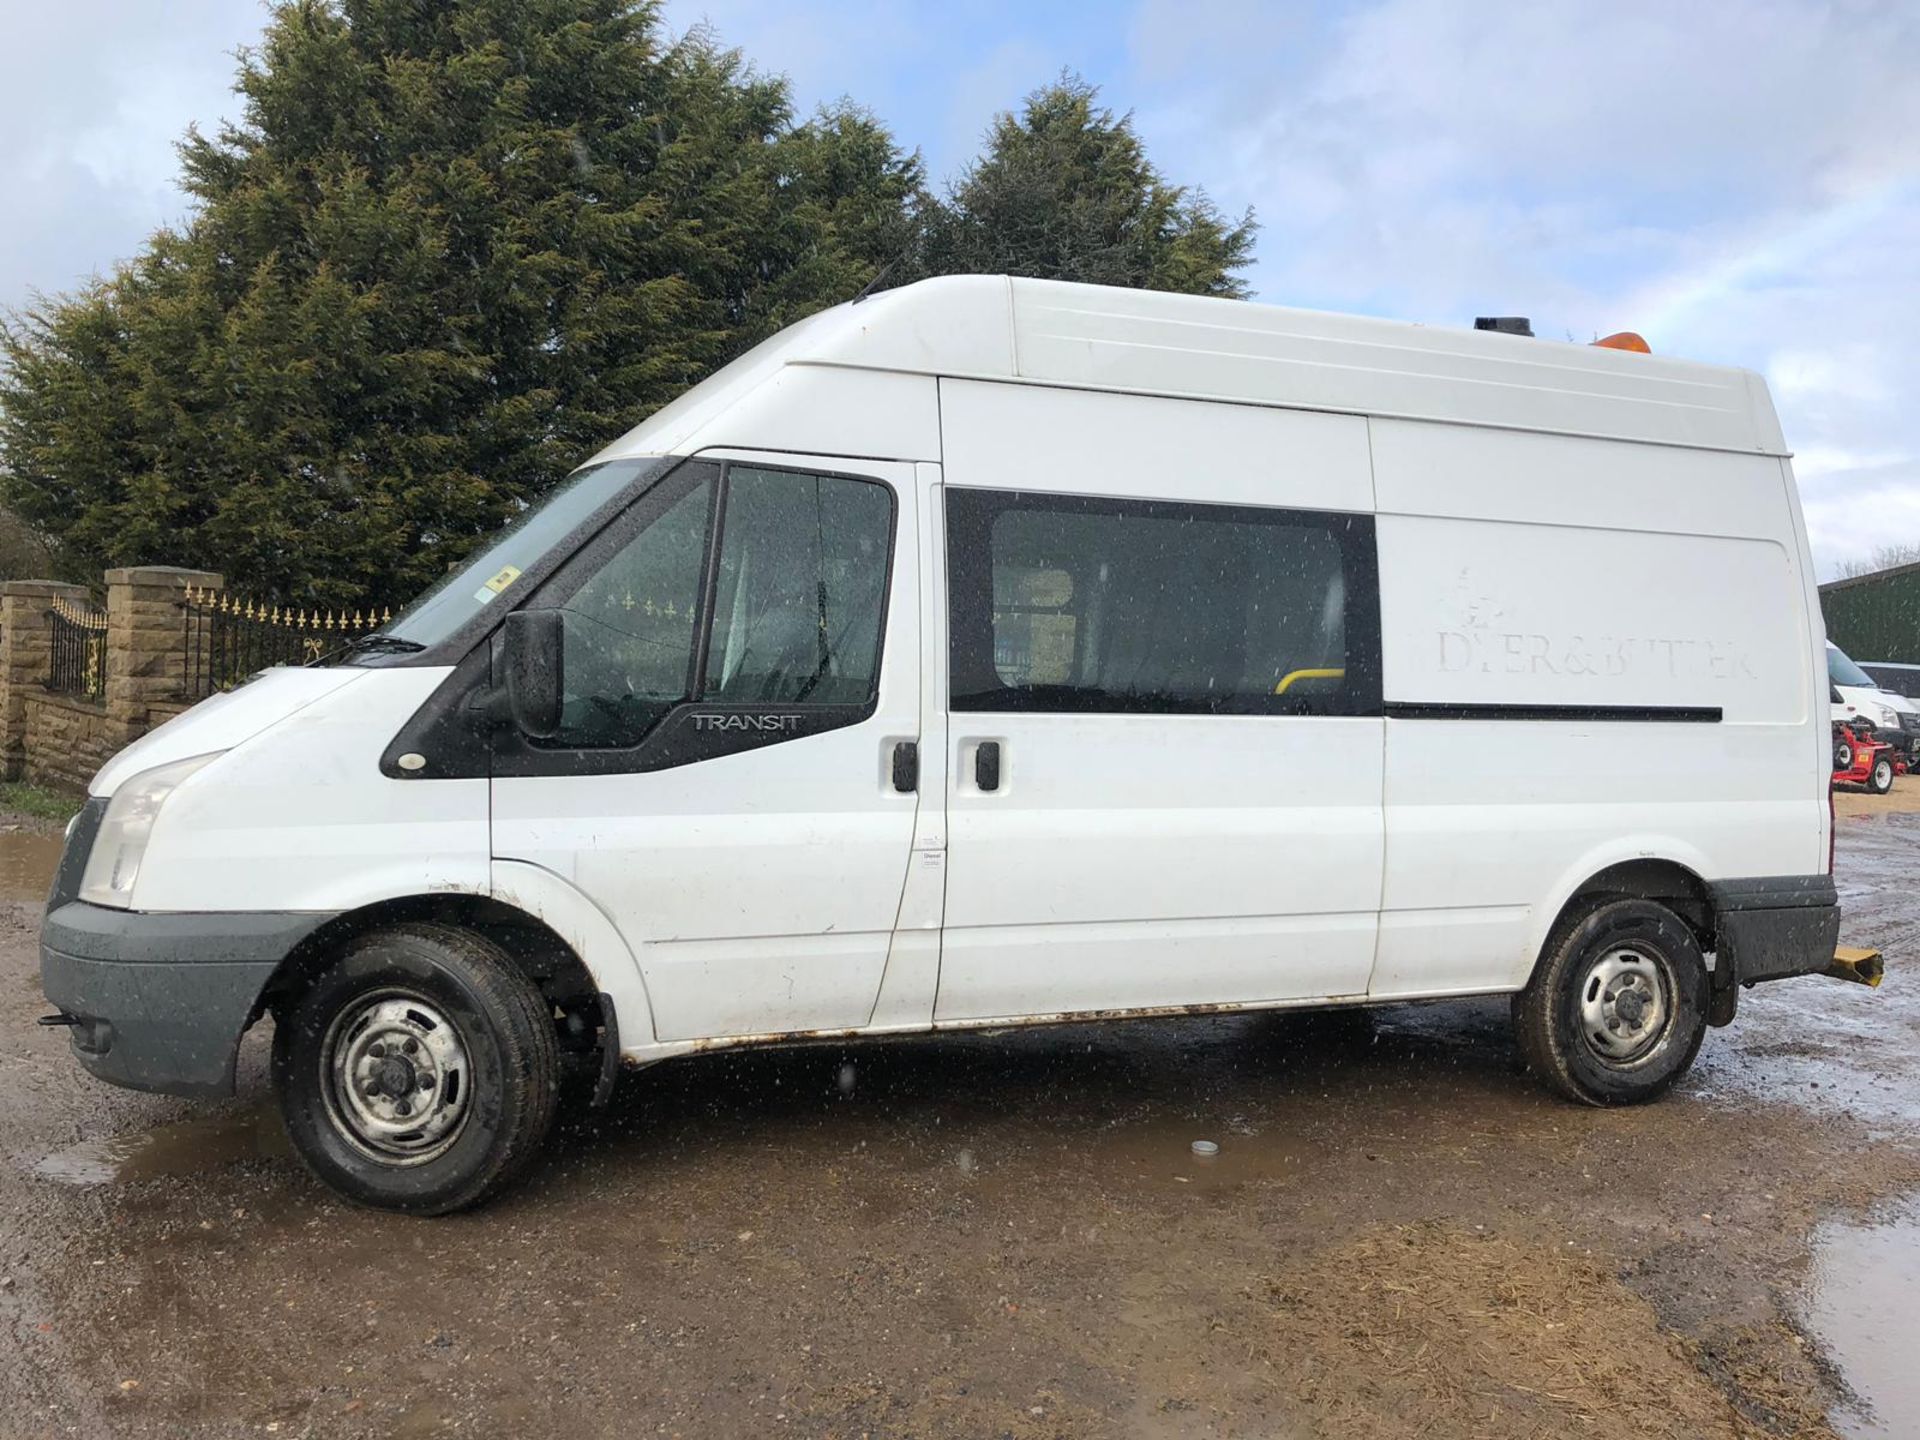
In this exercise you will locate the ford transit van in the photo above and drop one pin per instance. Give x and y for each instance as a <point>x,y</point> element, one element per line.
<point>1859,700</point>
<point>998,652</point>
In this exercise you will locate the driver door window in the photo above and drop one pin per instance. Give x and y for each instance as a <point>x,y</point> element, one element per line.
<point>786,609</point>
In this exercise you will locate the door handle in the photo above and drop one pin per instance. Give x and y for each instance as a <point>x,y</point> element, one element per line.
<point>906,767</point>
<point>986,765</point>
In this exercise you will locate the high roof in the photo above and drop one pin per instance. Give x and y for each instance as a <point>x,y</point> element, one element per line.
<point>1096,337</point>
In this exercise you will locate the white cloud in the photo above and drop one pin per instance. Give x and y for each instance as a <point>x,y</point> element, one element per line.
<point>93,96</point>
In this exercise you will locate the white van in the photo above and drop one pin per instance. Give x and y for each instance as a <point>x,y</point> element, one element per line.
<point>1861,701</point>
<point>995,652</point>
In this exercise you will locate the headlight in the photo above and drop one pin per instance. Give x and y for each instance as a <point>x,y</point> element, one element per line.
<point>122,842</point>
<point>1889,717</point>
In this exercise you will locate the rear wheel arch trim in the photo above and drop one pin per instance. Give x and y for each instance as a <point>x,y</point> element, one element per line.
<point>1641,873</point>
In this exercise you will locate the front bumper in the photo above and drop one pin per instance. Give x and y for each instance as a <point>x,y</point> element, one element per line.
<point>160,1001</point>
<point>1902,741</point>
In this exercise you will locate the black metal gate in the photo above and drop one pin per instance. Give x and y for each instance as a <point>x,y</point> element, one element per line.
<point>79,641</point>
<point>228,639</point>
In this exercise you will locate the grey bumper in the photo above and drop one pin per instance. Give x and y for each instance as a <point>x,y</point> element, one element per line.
<point>1773,927</point>
<point>159,1002</point>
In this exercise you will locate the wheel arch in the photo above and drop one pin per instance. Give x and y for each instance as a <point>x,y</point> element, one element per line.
<point>539,950</point>
<point>1674,883</point>
<point>564,943</point>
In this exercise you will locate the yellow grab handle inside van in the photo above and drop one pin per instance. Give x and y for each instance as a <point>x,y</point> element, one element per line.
<point>1293,675</point>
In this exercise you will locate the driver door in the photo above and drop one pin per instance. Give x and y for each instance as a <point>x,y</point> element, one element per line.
<point>740,664</point>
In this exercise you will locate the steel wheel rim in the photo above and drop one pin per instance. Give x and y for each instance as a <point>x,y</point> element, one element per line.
<point>1626,1005</point>
<point>396,1077</point>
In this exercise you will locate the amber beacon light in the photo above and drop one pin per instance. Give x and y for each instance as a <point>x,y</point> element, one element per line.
<point>1625,340</point>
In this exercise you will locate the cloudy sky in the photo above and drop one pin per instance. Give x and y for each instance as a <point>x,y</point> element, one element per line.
<point>1738,180</point>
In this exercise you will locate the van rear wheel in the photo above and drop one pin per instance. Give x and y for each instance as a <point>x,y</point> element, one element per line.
<point>419,1071</point>
<point>1617,1007</point>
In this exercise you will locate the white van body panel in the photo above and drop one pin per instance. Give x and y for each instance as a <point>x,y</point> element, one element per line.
<point>1153,861</point>
<point>591,934</point>
<point>758,891</point>
<point>1147,343</point>
<point>223,721</point>
<point>299,818</point>
<point>1527,570</point>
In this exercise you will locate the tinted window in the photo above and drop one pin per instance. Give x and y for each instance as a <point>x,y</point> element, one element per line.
<point>796,596</point>
<point>1900,679</point>
<point>803,570</point>
<point>628,630</point>
<point>1078,604</point>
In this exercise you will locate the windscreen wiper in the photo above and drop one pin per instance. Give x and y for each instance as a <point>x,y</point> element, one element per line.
<point>375,644</point>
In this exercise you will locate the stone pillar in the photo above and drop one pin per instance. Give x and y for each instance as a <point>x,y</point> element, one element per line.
<point>26,658</point>
<point>146,640</point>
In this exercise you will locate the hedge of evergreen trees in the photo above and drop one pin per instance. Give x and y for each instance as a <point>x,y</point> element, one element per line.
<point>452,248</point>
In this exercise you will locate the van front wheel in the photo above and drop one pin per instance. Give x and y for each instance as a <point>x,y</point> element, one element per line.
<point>1617,1007</point>
<point>418,1072</point>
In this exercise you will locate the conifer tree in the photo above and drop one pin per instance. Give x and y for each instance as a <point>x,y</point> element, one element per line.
<point>1065,192</point>
<point>449,250</point>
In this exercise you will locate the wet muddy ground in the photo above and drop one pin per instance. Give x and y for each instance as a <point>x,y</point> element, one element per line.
<point>1012,1236</point>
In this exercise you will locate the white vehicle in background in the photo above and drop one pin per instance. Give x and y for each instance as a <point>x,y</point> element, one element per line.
<point>998,652</point>
<point>1861,701</point>
<point>1896,678</point>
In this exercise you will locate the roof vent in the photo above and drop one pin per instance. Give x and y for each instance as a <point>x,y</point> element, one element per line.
<point>1504,324</point>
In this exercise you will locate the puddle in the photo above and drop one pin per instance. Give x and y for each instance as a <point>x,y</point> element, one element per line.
<point>1163,1155</point>
<point>188,1147</point>
<point>1865,1278</point>
<point>27,863</point>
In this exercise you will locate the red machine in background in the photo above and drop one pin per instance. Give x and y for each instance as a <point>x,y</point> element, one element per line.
<point>1858,760</point>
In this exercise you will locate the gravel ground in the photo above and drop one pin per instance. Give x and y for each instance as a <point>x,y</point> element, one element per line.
<point>1008,1236</point>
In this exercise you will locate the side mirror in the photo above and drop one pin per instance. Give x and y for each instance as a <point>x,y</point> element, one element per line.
<point>532,654</point>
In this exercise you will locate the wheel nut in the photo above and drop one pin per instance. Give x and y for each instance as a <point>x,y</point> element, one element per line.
<point>372,1089</point>
<point>377,1050</point>
<point>426,1082</point>
<point>409,1045</point>
<point>403,1109</point>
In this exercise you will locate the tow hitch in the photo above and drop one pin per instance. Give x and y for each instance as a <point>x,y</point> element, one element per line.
<point>1863,967</point>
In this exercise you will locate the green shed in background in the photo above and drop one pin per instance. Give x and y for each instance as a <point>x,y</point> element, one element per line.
<point>1877,616</point>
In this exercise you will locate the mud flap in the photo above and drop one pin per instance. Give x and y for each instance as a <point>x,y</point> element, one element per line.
<point>609,1053</point>
<point>1724,1001</point>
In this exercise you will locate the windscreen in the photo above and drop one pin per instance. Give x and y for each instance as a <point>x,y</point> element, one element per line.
<point>494,571</point>
<point>1843,671</point>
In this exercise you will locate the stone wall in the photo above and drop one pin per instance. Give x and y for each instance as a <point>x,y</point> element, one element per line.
<point>59,739</point>
<point>66,740</point>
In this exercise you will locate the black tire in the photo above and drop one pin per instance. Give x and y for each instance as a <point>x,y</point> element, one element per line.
<point>1581,967</point>
<point>422,1026</point>
<point>1842,755</point>
<point>1881,780</point>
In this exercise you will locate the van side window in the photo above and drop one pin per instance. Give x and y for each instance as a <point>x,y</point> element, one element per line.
<point>1069,603</point>
<point>788,611</point>
<point>803,572</point>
